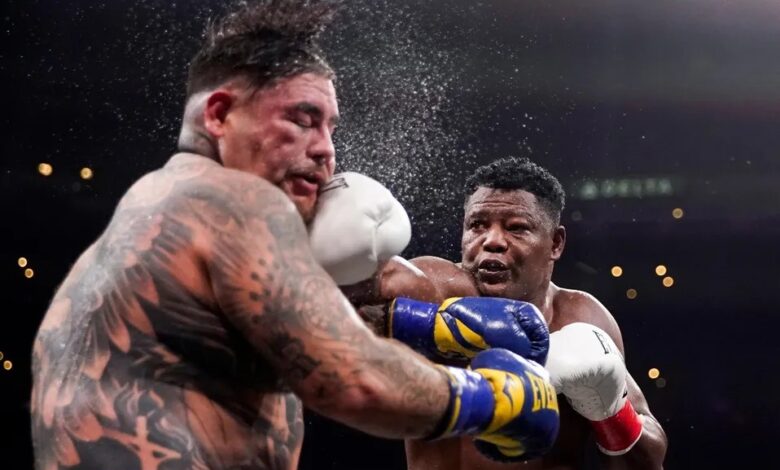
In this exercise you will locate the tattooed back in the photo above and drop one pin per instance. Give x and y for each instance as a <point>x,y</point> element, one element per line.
<point>135,366</point>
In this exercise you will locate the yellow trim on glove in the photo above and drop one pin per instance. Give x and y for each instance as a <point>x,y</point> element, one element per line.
<point>509,393</point>
<point>445,340</point>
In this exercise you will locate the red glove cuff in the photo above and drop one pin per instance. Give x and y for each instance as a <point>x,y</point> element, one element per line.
<point>618,434</point>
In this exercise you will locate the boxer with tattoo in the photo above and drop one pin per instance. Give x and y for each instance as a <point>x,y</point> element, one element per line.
<point>190,334</point>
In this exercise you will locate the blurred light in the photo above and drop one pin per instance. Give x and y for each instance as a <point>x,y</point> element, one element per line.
<point>678,213</point>
<point>8,365</point>
<point>660,383</point>
<point>654,373</point>
<point>22,262</point>
<point>668,281</point>
<point>86,173</point>
<point>45,169</point>
<point>1,356</point>
<point>29,273</point>
<point>616,271</point>
<point>660,269</point>
<point>631,294</point>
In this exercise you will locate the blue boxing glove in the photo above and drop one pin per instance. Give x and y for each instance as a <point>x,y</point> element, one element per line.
<point>461,327</point>
<point>506,402</point>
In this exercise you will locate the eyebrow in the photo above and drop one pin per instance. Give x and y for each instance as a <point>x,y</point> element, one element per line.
<point>314,111</point>
<point>525,214</point>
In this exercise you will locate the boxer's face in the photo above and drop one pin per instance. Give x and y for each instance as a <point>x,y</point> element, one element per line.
<point>283,133</point>
<point>509,243</point>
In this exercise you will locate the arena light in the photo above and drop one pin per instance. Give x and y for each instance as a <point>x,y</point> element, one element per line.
<point>8,365</point>
<point>616,271</point>
<point>668,281</point>
<point>678,213</point>
<point>660,270</point>
<point>660,383</point>
<point>29,273</point>
<point>45,169</point>
<point>86,173</point>
<point>1,356</point>
<point>22,262</point>
<point>631,294</point>
<point>654,373</point>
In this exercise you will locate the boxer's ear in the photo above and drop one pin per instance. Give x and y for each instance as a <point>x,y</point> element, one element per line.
<point>559,241</point>
<point>215,112</point>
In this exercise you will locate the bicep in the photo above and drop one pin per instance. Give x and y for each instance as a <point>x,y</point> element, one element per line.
<point>401,278</point>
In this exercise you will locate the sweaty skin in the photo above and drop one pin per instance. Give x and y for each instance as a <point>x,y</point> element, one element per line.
<point>435,280</point>
<point>178,337</point>
<point>511,227</point>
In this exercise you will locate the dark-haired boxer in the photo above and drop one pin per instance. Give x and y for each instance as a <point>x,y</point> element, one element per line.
<point>189,333</point>
<point>511,239</point>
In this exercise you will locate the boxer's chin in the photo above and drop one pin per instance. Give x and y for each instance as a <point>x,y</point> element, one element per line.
<point>306,207</point>
<point>492,289</point>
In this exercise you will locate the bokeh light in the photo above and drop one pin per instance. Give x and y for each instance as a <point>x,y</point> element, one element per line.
<point>616,271</point>
<point>668,281</point>
<point>45,169</point>
<point>631,294</point>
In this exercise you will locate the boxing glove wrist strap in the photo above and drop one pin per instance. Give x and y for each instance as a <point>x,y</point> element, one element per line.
<point>471,405</point>
<point>618,434</point>
<point>412,322</point>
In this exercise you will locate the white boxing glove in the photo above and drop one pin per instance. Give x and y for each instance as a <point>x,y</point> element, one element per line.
<point>586,366</point>
<point>358,225</point>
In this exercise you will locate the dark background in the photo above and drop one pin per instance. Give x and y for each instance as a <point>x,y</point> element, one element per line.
<point>638,107</point>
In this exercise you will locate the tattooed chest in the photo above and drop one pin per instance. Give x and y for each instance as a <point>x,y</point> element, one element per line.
<point>278,432</point>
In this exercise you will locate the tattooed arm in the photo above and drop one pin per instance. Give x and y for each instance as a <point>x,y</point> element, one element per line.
<point>268,285</point>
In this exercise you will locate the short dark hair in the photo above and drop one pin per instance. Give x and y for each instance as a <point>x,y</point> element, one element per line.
<point>521,173</point>
<point>262,41</point>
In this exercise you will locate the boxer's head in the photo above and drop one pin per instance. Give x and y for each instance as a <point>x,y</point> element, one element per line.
<point>261,99</point>
<point>511,228</point>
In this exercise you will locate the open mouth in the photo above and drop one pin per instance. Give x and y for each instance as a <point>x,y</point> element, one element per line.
<point>492,271</point>
<point>306,184</point>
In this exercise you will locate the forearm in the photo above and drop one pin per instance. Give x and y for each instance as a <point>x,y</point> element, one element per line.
<point>648,453</point>
<point>388,391</point>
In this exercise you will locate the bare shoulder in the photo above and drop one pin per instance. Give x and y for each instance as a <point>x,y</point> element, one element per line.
<point>222,201</point>
<point>426,278</point>
<point>450,279</point>
<point>237,189</point>
<point>571,306</point>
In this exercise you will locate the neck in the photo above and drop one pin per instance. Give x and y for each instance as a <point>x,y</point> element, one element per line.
<point>197,142</point>
<point>546,305</point>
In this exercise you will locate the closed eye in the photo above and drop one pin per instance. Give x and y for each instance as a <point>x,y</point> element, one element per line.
<point>302,120</point>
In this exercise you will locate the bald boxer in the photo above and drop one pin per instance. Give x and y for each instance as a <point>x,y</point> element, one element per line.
<point>188,335</point>
<point>511,239</point>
